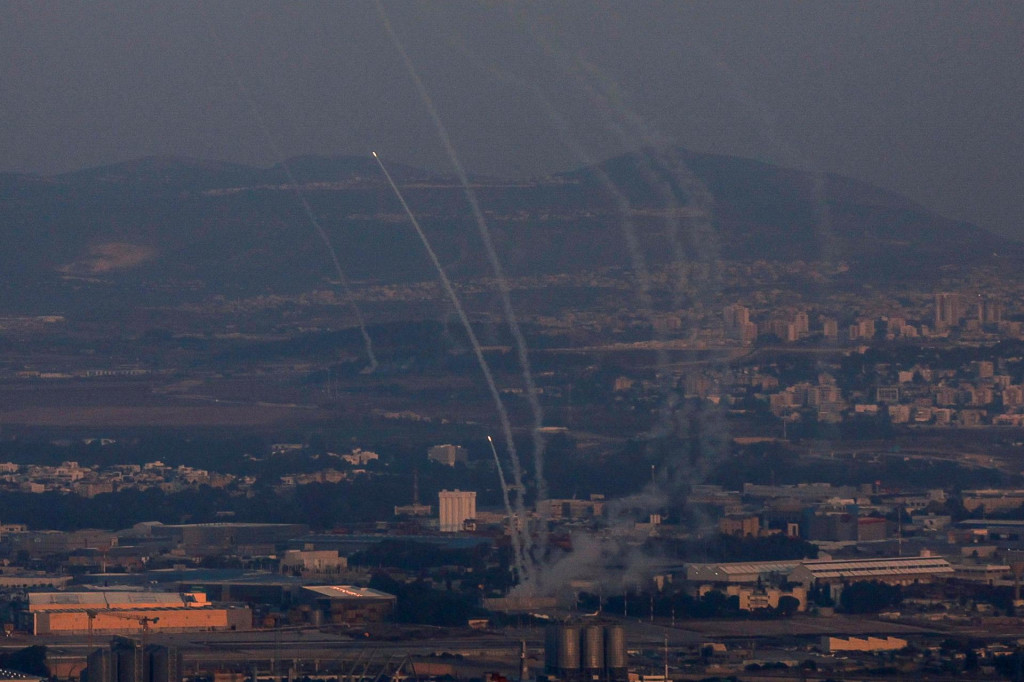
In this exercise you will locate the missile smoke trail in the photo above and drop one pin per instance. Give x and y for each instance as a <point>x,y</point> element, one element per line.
<point>506,425</point>
<point>514,530</point>
<point>310,215</point>
<point>709,433</point>
<point>555,572</point>
<point>503,288</point>
<point>665,176</point>
<point>627,226</point>
<point>367,341</point>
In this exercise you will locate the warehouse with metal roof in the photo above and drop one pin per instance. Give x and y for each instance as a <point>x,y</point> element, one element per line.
<point>892,570</point>
<point>113,612</point>
<point>739,572</point>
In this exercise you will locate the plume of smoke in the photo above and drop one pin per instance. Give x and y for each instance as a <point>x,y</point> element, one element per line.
<point>608,561</point>
<point>522,354</point>
<point>485,369</point>
<point>551,576</point>
<point>664,174</point>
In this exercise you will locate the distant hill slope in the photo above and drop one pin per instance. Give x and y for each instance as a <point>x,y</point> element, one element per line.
<point>153,224</point>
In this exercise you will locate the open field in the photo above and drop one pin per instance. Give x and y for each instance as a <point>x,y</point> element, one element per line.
<point>123,416</point>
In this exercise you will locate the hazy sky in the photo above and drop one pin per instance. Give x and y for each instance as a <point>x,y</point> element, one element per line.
<point>921,97</point>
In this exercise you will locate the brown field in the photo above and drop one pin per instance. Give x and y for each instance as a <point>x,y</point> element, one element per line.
<point>198,415</point>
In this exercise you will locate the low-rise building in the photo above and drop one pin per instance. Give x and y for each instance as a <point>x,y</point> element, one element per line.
<point>863,643</point>
<point>892,570</point>
<point>76,613</point>
<point>740,571</point>
<point>342,604</point>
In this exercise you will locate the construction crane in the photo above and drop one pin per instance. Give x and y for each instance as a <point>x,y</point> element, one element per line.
<point>145,621</point>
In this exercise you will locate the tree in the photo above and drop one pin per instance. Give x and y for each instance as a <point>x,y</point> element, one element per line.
<point>821,595</point>
<point>31,660</point>
<point>788,606</point>
<point>869,597</point>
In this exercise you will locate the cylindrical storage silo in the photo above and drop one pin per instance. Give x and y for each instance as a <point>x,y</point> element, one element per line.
<point>551,649</point>
<point>569,650</point>
<point>615,659</point>
<point>592,650</point>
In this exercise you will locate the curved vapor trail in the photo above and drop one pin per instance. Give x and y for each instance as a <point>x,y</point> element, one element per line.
<point>503,288</point>
<point>517,542</point>
<point>703,238</point>
<point>506,424</point>
<point>706,427</point>
<point>367,341</point>
<point>548,575</point>
<point>296,189</point>
<point>705,241</point>
<point>642,275</point>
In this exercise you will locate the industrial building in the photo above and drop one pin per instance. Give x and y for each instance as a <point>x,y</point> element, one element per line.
<point>131,660</point>
<point>739,571</point>
<point>754,597</point>
<point>831,644</point>
<point>343,604</point>
<point>591,652</point>
<point>312,562</point>
<point>448,455</point>
<point>455,508</point>
<point>892,570</point>
<point>576,510</point>
<point>70,613</point>
<point>213,539</point>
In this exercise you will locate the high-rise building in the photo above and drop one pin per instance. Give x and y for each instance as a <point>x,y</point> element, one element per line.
<point>735,315</point>
<point>948,310</point>
<point>802,322</point>
<point>989,311</point>
<point>455,507</point>
<point>736,320</point>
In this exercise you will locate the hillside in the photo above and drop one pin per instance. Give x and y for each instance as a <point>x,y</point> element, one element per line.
<point>161,229</point>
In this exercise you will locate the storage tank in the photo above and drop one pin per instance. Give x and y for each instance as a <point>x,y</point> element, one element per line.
<point>568,650</point>
<point>615,659</point>
<point>551,649</point>
<point>592,645</point>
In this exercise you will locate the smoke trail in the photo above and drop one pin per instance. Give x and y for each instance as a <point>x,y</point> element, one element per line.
<point>307,209</point>
<point>553,573</point>
<point>704,429</point>
<point>627,225</point>
<point>514,531</point>
<point>506,425</point>
<point>503,288</point>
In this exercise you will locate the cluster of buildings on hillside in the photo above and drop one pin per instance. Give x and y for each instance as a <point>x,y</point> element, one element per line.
<point>977,393</point>
<point>952,313</point>
<point>89,481</point>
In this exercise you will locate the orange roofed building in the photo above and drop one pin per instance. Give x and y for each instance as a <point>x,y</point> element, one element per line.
<point>123,613</point>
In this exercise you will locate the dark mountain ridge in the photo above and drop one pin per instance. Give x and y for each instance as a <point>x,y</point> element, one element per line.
<point>238,230</point>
